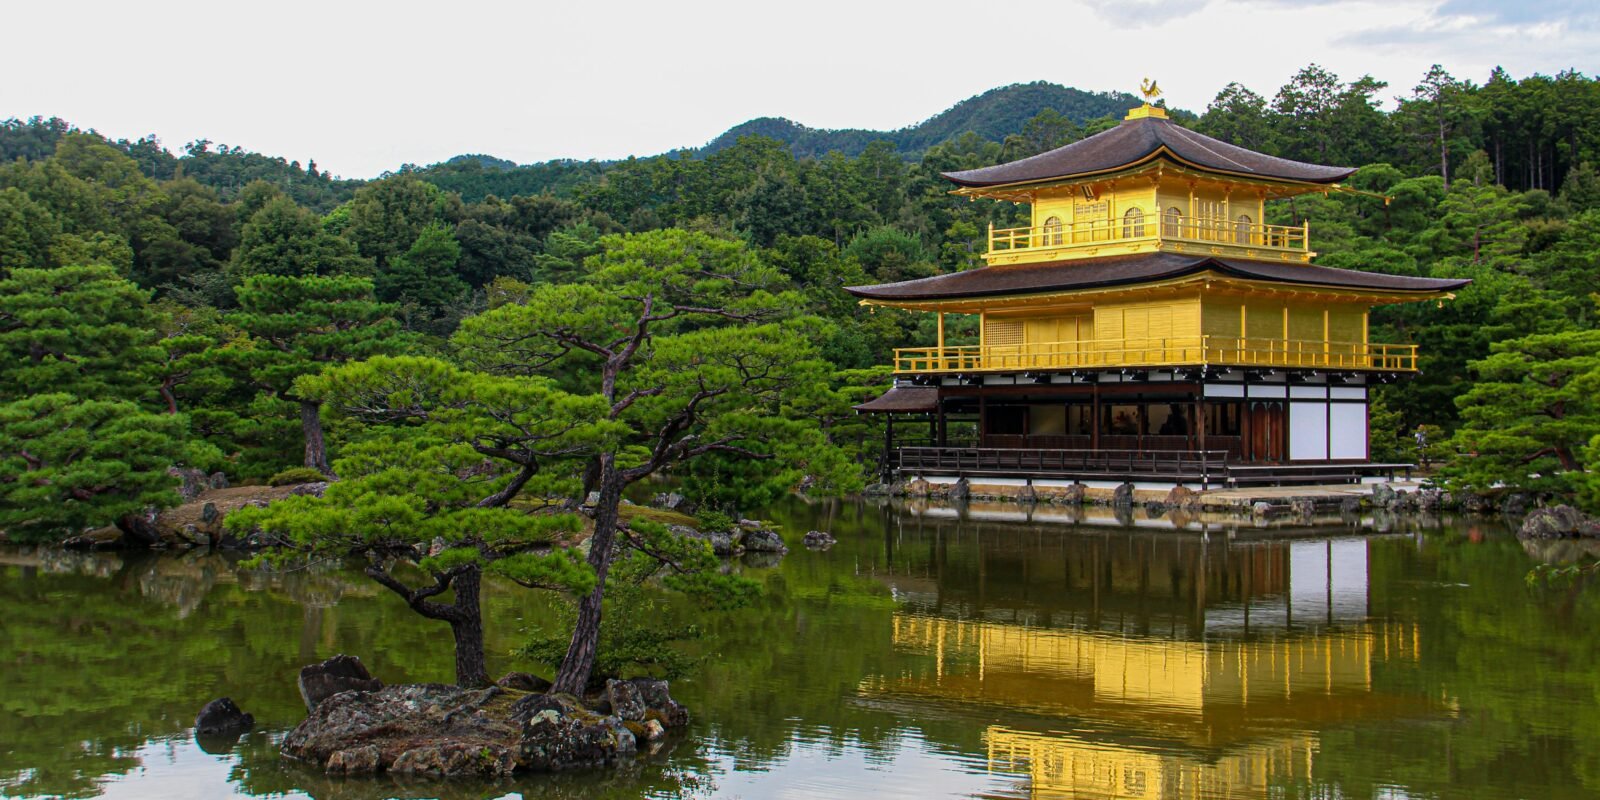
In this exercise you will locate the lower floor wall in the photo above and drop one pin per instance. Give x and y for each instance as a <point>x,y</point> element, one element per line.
<point>1268,423</point>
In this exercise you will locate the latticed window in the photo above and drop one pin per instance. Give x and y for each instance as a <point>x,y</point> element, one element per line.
<point>1052,231</point>
<point>1133,223</point>
<point>1172,222</point>
<point>1241,229</point>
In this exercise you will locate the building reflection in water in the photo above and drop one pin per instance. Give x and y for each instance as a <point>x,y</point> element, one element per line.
<point>1143,665</point>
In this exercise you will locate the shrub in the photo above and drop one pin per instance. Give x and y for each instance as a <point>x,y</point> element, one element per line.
<point>296,475</point>
<point>715,521</point>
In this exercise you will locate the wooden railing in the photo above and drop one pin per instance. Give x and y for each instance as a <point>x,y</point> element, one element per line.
<point>1190,464</point>
<point>1199,230</point>
<point>1175,351</point>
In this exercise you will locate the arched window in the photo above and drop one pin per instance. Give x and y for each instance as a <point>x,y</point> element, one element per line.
<point>1242,230</point>
<point>1133,223</point>
<point>1172,223</point>
<point>1052,231</point>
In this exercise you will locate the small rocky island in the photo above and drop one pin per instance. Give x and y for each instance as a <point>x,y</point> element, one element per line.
<point>358,726</point>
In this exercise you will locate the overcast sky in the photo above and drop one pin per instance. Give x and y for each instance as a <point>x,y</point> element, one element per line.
<point>365,87</point>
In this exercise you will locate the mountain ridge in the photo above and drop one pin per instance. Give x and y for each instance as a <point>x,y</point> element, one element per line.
<point>994,114</point>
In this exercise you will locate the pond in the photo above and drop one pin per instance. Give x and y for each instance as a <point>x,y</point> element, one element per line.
<point>930,653</point>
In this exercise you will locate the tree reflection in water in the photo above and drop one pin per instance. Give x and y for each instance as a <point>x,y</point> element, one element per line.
<point>932,651</point>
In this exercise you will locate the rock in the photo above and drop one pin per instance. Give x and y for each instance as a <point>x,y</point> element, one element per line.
<point>626,701</point>
<point>960,491</point>
<point>523,682</point>
<point>454,759</point>
<point>1182,498</point>
<point>1478,504</point>
<point>1073,495</point>
<point>191,482</point>
<point>341,673</point>
<point>313,489</point>
<point>659,704</point>
<point>1027,495</point>
<point>192,535</point>
<point>897,489</point>
<point>672,501</point>
<point>1430,500</point>
<point>97,539</point>
<point>918,488</point>
<point>1403,501</point>
<point>209,514</point>
<point>1155,509</point>
<point>721,541</point>
<point>1383,495</point>
<point>1558,522</point>
<point>217,481</point>
<point>1123,496</point>
<point>551,741</point>
<point>418,729</point>
<point>764,541</point>
<point>1515,504</point>
<point>818,540</point>
<point>1261,508</point>
<point>654,730</point>
<point>1303,507</point>
<point>876,490</point>
<point>437,546</point>
<point>593,499</point>
<point>354,761</point>
<point>1350,505</point>
<point>221,716</point>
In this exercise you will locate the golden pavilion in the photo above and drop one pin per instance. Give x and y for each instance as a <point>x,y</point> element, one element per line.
<point>1147,326</point>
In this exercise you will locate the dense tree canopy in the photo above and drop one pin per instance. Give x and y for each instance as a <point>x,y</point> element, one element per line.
<point>202,284</point>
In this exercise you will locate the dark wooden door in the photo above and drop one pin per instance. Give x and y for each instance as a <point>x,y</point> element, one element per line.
<point>1267,440</point>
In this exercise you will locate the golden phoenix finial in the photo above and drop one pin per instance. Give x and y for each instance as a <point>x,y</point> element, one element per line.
<point>1149,89</point>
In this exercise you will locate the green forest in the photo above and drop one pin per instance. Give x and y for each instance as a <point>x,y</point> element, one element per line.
<point>232,312</point>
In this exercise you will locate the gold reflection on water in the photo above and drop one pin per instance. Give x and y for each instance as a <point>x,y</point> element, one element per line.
<point>1061,765</point>
<point>1154,716</point>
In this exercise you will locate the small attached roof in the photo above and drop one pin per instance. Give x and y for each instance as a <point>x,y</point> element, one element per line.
<point>903,399</point>
<point>1141,139</point>
<point>1072,275</point>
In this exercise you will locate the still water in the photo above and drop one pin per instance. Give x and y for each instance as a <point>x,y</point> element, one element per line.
<point>928,654</point>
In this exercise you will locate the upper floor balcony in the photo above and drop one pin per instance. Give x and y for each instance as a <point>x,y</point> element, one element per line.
<point>1137,232</point>
<point>1189,351</point>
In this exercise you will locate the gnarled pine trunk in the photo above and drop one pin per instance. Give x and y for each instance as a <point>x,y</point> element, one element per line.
<point>466,625</point>
<point>578,663</point>
<point>316,446</point>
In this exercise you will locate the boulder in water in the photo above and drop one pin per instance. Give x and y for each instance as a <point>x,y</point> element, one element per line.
<point>1556,522</point>
<point>221,717</point>
<point>625,699</point>
<point>1122,497</point>
<point>818,540</point>
<point>341,673</point>
<point>764,541</point>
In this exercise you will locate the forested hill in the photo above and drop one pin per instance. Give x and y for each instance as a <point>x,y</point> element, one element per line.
<point>993,115</point>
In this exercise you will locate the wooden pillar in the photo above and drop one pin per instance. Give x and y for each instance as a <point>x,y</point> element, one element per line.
<point>888,445</point>
<point>1094,423</point>
<point>983,418</point>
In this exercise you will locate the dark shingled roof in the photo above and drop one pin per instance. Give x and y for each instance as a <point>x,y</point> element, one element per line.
<point>1057,276</point>
<point>1136,140</point>
<point>905,399</point>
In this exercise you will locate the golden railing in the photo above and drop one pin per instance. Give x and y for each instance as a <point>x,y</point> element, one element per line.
<point>1199,230</point>
<point>1175,351</point>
